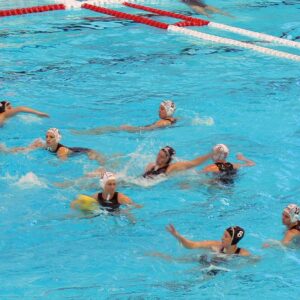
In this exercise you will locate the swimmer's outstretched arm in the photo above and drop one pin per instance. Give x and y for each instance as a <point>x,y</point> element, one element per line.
<point>29,110</point>
<point>286,241</point>
<point>184,165</point>
<point>38,143</point>
<point>191,244</point>
<point>156,125</point>
<point>247,162</point>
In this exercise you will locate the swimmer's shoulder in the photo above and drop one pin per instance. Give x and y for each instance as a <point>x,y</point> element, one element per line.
<point>63,152</point>
<point>165,122</point>
<point>244,252</point>
<point>211,168</point>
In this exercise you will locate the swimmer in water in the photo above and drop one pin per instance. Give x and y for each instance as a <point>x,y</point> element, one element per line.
<point>201,8</point>
<point>228,244</point>
<point>52,144</point>
<point>291,219</point>
<point>224,170</point>
<point>8,111</point>
<point>166,110</point>
<point>111,200</point>
<point>163,163</point>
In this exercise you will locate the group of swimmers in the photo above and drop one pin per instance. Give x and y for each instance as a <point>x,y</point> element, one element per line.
<point>111,200</point>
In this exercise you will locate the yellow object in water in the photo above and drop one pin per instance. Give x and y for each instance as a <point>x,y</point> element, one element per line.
<point>85,203</point>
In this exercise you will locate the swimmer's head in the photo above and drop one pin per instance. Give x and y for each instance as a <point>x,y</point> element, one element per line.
<point>166,109</point>
<point>291,214</point>
<point>4,105</point>
<point>233,235</point>
<point>220,152</point>
<point>53,136</point>
<point>165,155</point>
<point>108,182</point>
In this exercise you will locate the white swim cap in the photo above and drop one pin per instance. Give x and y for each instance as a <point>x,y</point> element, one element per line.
<point>220,152</point>
<point>106,177</point>
<point>169,106</point>
<point>293,211</point>
<point>56,134</point>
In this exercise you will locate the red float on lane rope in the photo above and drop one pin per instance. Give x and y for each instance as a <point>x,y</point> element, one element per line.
<point>30,10</point>
<point>123,15</point>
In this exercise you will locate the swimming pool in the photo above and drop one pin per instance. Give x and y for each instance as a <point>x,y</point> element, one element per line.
<point>86,70</point>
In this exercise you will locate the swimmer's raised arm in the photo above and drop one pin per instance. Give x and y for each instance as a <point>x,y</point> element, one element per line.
<point>191,244</point>
<point>184,165</point>
<point>247,162</point>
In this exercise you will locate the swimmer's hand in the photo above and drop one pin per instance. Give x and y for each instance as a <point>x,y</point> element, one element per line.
<point>240,156</point>
<point>96,173</point>
<point>266,245</point>
<point>172,230</point>
<point>38,143</point>
<point>43,115</point>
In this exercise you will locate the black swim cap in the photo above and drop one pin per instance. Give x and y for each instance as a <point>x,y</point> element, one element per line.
<point>2,106</point>
<point>236,233</point>
<point>169,151</point>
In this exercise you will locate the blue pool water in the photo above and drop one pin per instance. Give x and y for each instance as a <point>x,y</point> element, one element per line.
<point>88,70</point>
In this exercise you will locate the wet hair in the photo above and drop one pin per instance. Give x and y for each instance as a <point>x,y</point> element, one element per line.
<point>236,233</point>
<point>2,106</point>
<point>170,152</point>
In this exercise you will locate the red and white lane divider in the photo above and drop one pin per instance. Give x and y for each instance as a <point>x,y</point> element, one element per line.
<point>257,35</point>
<point>189,21</point>
<point>31,10</point>
<point>176,27</point>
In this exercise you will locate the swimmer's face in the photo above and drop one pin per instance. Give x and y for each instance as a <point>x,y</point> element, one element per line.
<point>286,220</point>
<point>162,112</point>
<point>110,186</point>
<point>50,139</point>
<point>226,239</point>
<point>162,158</point>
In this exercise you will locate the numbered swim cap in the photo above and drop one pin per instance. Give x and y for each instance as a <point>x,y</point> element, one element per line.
<point>106,177</point>
<point>236,233</point>
<point>293,211</point>
<point>56,134</point>
<point>169,151</point>
<point>220,152</point>
<point>169,106</point>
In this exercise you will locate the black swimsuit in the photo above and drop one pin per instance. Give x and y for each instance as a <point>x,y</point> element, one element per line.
<point>110,205</point>
<point>154,172</point>
<point>297,226</point>
<point>73,149</point>
<point>227,172</point>
<point>237,251</point>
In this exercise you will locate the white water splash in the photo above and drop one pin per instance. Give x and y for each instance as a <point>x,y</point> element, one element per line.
<point>208,121</point>
<point>30,180</point>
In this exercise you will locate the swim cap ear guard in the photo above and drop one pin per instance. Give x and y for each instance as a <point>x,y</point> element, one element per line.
<point>56,134</point>
<point>220,152</point>
<point>169,151</point>
<point>169,106</point>
<point>106,177</point>
<point>236,233</point>
<point>293,211</point>
<point>2,106</point>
